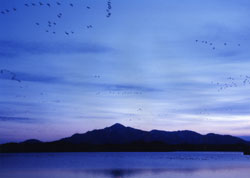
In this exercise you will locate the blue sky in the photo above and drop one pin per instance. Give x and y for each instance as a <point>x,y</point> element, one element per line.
<point>142,67</point>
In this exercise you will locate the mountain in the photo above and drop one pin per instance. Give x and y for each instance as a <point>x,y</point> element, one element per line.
<point>119,134</point>
<point>32,141</point>
<point>121,138</point>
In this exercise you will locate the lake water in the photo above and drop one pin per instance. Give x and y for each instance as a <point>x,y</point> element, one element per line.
<point>125,165</point>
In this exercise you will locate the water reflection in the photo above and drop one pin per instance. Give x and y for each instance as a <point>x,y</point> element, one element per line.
<point>121,173</point>
<point>124,165</point>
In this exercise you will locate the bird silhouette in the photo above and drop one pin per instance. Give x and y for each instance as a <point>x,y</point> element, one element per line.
<point>59,15</point>
<point>108,15</point>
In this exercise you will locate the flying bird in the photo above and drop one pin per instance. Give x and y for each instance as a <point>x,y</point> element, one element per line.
<point>108,15</point>
<point>59,15</point>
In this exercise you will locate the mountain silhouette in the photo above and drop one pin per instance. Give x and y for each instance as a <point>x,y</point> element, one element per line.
<point>120,138</point>
<point>119,134</point>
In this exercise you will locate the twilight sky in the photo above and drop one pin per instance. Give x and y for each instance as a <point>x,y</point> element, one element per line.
<point>142,67</point>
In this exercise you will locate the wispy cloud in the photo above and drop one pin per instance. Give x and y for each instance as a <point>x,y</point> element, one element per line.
<point>15,48</point>
<point>16,119</point>
<point>48,79</point>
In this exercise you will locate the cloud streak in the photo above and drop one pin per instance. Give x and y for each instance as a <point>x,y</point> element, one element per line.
<point>16,119</point>
<point>10,48</point>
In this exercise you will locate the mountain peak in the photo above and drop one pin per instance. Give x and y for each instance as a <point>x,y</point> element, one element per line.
<point>32,141</point>
<point>118,126</point>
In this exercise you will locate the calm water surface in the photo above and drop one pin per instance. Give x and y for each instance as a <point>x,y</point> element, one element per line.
<point>121,165</point>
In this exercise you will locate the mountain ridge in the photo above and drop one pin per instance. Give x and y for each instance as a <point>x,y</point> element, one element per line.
<point>119,134</point>
<point>121,138</point>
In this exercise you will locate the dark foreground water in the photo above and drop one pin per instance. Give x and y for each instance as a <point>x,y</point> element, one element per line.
<point>121,165</point>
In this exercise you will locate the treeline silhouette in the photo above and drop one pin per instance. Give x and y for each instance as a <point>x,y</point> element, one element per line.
<point>60,146</point>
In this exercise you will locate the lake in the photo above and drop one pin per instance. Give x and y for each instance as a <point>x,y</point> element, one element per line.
<point>122,165</point>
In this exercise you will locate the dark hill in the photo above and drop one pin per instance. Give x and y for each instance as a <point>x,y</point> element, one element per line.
<point>121,138</point>
<point>119,134</point>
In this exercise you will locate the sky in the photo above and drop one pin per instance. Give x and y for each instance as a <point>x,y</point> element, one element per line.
<point>164,64</point>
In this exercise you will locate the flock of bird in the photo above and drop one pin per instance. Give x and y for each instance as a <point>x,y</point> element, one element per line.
<point>6,11</point>
<point>9,75</point>
<point>212,45</point>
<point>230,83</point>
<point>109,7</point>
<point>233,82</point>
<point>50,28</point>
<point>51,24</point>
<point>120,93</point>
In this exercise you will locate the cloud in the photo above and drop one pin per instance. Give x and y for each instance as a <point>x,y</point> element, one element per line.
<point>38,78</point>
<point>15,119</point>
<point>15,48</point>
<point>48,79</point>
